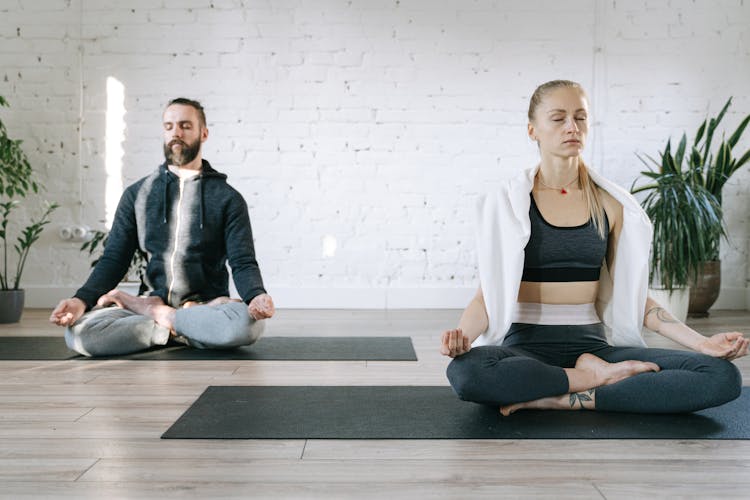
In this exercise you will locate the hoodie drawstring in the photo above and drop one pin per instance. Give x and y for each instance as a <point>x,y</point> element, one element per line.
<point>166,191</point>
<point>201,200</point>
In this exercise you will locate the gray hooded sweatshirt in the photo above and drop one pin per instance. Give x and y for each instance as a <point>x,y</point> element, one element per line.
<point>189,229</point>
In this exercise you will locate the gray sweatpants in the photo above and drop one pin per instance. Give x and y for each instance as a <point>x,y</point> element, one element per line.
<point>113,331</point>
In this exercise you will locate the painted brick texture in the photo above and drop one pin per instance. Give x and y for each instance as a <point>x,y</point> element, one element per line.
<point>372,123</point>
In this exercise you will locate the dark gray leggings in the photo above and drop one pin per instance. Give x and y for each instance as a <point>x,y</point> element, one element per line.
<point>529,366</point>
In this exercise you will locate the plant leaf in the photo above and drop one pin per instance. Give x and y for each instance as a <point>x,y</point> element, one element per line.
<point>699,134</point>
<point>680,153</point>
<point>735,137</point>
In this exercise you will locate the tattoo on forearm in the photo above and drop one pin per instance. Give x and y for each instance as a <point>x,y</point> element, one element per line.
<point>662,315</point>
<point>580,397</point>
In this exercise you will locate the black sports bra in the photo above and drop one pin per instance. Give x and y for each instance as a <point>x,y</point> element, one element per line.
<point>563,254</point>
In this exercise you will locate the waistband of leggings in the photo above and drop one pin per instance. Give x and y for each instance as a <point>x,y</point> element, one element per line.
<point>555,314</point>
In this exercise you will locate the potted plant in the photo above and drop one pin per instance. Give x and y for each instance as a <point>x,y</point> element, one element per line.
<point>711,171</point>
<point>137,270</point>
<point>16,181</point>
<point>682,213</point>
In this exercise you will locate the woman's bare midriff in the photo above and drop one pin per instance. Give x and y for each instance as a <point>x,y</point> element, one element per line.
<point>576,292</point>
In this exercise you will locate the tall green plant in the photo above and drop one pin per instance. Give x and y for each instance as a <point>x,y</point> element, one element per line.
<point>137,264</point>
<point>29,235</point>
<point>682,213</point>
<point>16,180</point>
<point>16,176</point>
<point>712,170</point>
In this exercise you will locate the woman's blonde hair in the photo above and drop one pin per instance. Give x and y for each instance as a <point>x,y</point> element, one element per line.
<point>590,189</point>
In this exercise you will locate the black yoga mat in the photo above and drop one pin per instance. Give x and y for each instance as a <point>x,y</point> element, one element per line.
<point>267,348</point>
<point>237,412</point>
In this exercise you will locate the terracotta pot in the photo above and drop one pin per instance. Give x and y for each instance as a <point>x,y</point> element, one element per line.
<point>11,305</point>
<point>705,289</point>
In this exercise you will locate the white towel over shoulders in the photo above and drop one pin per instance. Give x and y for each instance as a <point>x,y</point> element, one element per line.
<point>503,229</point>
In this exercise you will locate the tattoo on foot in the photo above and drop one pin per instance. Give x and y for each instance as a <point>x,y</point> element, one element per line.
<point>580,397</point>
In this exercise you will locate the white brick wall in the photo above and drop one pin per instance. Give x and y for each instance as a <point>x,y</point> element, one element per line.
<point>375,122</point>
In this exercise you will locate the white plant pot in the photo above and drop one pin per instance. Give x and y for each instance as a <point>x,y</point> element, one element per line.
<point>676,302</point>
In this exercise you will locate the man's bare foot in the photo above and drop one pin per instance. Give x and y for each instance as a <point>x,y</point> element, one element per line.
<point>130,302</point>
<point>215,302</point>
<point>152,307</point>
<point>609,373</point>
<point>221,300</point>
<point>162,314</point>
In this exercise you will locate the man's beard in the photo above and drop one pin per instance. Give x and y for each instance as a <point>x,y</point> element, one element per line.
<point>187,153</point>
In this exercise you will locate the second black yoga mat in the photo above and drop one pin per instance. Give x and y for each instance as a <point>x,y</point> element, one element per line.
<point>237,412</point>
<point>267,348</point>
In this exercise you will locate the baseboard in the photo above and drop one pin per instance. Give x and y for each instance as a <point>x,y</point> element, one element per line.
<point>366,298</point>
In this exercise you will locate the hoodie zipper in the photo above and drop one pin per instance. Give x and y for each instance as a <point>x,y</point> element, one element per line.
<point>176,239</point>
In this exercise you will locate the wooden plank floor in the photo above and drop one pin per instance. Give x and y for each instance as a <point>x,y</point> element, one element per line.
<point>73,429</point>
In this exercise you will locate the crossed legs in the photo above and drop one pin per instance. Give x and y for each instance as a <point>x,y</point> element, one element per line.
<point>610,379</point>
<point>137,323</point>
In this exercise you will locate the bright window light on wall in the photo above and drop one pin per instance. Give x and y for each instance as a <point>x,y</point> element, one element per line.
<point>115,134</point>
<point>329,246</point>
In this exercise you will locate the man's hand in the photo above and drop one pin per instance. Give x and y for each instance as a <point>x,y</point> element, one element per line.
<point>454,343</point>
<point>67,312</point>
<point>730,345</point>
<point>261,307</point>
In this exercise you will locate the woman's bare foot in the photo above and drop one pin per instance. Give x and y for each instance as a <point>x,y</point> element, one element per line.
<point>605,373</point>
<point>551,403</point>
<point>574,401</point>
<point>590,372</point>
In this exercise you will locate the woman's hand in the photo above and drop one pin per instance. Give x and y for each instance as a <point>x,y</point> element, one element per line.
<point>454,343</point>
<point>729,345</point>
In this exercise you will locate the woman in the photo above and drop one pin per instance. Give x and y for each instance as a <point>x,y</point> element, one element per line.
<point>562,251</point>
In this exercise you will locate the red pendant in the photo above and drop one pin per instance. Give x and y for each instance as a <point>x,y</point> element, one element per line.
<point>562,191</point>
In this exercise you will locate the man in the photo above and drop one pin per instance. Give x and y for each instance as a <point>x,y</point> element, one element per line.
<point>190,222</point>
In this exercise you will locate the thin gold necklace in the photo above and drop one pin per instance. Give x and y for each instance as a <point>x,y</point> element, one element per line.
<point>561,189</point>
